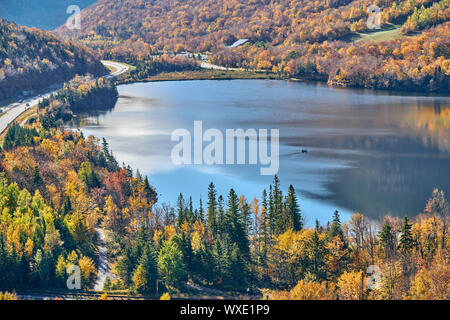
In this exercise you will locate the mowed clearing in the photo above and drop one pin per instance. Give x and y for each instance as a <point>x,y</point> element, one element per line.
<point>387,33</point>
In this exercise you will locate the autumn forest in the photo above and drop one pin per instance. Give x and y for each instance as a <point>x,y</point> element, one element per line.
<point>59,187</point>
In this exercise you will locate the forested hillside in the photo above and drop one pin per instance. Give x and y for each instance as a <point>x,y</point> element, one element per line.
<point>311,39</point>
<point>34,59</point>
<point>52,183</point>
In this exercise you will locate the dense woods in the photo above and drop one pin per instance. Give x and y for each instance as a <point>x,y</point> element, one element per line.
<point>53,187</point>
<point>414,63</point>
<point>232,244</point>
<point>313,40</point>
<point>79,95</point>
<point>57,186</point>
<point>155,65</point>
<point>32,59</point>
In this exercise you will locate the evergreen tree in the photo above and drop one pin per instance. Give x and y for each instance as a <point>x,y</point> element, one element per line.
<point>271,212</point>
<point>170,262</point>
<point>293,211</point>
<point>37,179</point>
<point>220,215</point>
<point>279,223</point>
<point>244,208</point>
<point>316,254</point>
<point>185,245</point>
<point>126,265</point>
<point>387,240</point>
<point>206,264</point>
<point>407,241</point>
<point>67,206</point>
<point>150,267</point>
<point>181,210</point>
<point>212,210</point>
<point>264,226</point>
<point>234,225</point>
<point>201,212</point>
<point>336,229</point>
<point>151,193</point>
<point>190,212</point>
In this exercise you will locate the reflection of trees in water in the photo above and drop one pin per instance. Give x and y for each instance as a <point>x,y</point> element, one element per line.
<point>402,156</point>
<point>392,184</point>
<point>432,124</point>
<point>83,119</point>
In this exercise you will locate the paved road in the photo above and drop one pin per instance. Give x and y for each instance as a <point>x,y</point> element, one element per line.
<point>15,109</point>
<point>103,268</point>
<point>120,68</point>
<point>207,65</point>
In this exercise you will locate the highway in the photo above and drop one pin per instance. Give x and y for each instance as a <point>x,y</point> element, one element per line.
<point>15,109</point>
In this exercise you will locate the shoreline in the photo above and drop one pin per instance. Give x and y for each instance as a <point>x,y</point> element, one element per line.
<point>389,92</point>
<point>210,74</point>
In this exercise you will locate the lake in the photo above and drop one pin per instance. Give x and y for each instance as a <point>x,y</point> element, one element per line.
<point>373,152</point>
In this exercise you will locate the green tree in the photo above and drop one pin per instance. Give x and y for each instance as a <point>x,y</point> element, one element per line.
<point>147,272</point>
<point>336,228</point>
<point>170,262</point>
<point>181,210</point>
<point>276,212</point>
<point>387,240</point>
<point>294,218</point>
<point>316,254</point>
<point>212,210</point>
<point>88,176</point>
<point>234,225</point>
<point>407,241</point>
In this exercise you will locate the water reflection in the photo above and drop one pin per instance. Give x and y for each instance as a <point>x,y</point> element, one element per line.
<point>371,152</point>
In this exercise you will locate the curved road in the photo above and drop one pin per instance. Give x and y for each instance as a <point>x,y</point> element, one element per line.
<point>15,109</point>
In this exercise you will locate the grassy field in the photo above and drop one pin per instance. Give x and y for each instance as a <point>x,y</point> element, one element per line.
<point>388,32</point>
<point>209,75</point>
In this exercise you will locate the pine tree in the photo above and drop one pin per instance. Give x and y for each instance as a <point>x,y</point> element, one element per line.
<point>387,240</point>
<point>406,238</point>
<point>271,213</point>
<point>150,267</point>
<point>336,229</point>
<point>234,225</point>
<point>185,245</point>
<point>264,226</point>
<point>293,211</point>
<point>220,215</point>
<point>151,193</point>
<point>244,208</point>
<point>212,210</point>
<point>201,212</point>
<point>67,206</point>
<point>37,179</point>
<point>190,212</point>
<point>126,265</point>
<point>316,254</point>
<point>279,223</point>
<point>181,210</point>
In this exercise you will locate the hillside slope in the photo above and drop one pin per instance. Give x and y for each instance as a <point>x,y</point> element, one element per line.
<point>32,59</point>
<point>202,25</point>
<point>289,37</point>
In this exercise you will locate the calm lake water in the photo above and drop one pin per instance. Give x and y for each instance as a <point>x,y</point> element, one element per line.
<point>372,152</point>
